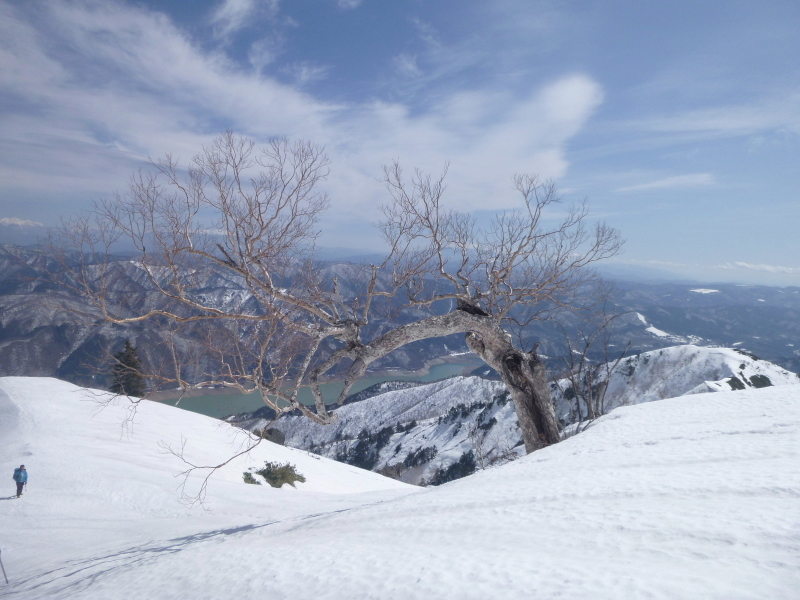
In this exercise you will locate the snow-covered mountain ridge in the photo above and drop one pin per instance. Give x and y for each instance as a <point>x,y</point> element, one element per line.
<point>681,370</point>
<point>691,497</point>
<point>412,433</point>
<point>441,431</point>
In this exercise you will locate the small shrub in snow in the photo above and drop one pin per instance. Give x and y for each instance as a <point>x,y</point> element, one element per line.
<point>248,478</point>
<point>277,474</point>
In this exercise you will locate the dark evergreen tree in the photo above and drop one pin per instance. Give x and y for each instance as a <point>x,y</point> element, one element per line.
<point>126,375</point>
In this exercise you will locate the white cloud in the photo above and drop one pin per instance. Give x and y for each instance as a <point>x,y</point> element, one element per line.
<point>406,64</point>
<point>733,272</point>
<point>679,181</point>
<point>349,4</point>
<point>305,73</point>
<point>134,86</point>
<point>8,221</point>
<point>427,33</point>
<point>730,266</point>
<point>264,52</point>
<point>779,113</point>
<point>232,15</point>
<point>760,267</point>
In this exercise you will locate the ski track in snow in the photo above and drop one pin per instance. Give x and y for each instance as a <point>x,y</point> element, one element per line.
<point>691,497</point>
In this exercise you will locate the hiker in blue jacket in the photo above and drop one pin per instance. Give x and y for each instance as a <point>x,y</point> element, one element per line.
<point>21,477</point>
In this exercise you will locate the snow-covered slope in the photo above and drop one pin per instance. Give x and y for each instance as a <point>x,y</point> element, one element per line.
<point>413,433</point>
<point>93,478</point>
<point>692,497</point>
<point>686,369</point>
<point>466,423</point>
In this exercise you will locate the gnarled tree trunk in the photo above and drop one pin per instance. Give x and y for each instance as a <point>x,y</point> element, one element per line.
<point>526,379</point>
<point>523,372</point>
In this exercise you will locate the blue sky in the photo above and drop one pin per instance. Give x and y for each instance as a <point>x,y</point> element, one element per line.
<point>679,121</point>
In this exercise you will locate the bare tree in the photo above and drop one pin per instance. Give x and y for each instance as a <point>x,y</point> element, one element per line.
<point>250,217</point>
<point>590,360</point>
<point>500,277</point>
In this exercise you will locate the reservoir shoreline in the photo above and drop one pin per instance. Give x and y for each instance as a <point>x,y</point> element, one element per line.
<point>222,402</point>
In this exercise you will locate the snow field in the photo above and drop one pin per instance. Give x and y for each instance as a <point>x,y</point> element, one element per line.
<point>691,497</point>
<point>95,481</point>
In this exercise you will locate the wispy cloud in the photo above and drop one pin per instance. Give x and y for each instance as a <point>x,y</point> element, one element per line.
<point>406,65</point>
<point>734,271</point>
<point>8,221</point>
<point>305,73</point>
<point>771,113</point>
<point>349,4</point>
<point>232,15</point>
<point>427,33</point>
<point>760,267</point>
<point>679,181</point>
<point>265,51</point>
<point>133,85</point>
<point>730,266</point>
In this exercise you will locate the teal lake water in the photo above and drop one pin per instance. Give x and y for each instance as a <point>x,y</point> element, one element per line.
<point>220,406</point>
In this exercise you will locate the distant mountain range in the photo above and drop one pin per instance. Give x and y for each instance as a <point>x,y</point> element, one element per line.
<point>21,232</point>
<point>762,320</point>
<point>46,330</point>
<point>42,335</point>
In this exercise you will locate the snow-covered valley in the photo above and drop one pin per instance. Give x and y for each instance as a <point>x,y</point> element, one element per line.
<point>689,497</point>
